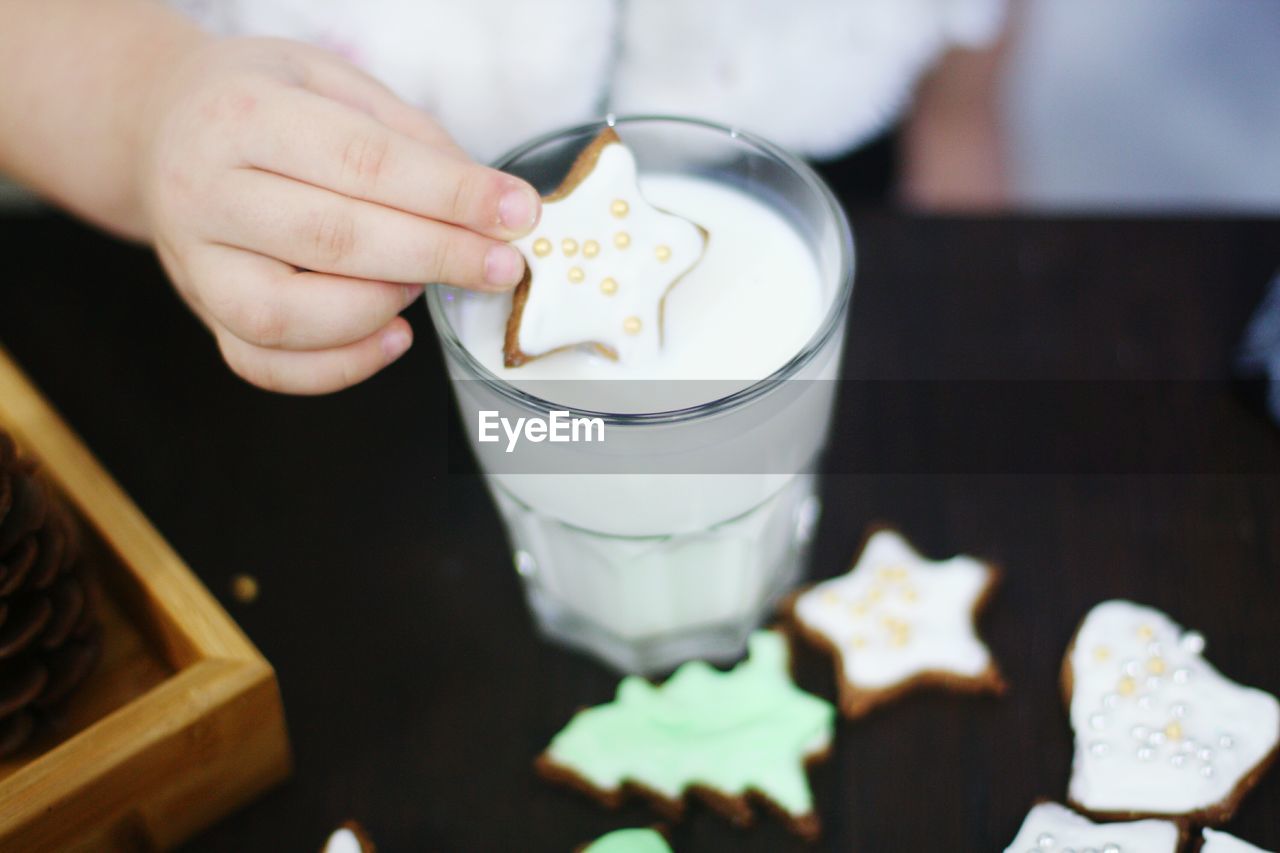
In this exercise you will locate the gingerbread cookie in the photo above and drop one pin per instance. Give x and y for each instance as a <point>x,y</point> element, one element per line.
<point>1051,828</point>
<point>629,841</point>
<point>1158,731</point>
<point>724,736</point>
<point>599,264</point>
<point>1221,842</point>
<point>349,838</point>
<point>897,621</point>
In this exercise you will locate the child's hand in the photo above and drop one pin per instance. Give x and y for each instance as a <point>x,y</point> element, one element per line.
<point>299,206</point>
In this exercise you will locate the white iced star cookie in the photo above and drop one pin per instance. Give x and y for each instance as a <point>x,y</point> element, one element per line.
<point>1221,842</point>
<point>1158,731</point>
<point>1051,828</point>
<point>599,264</point>
<point>897,621</point>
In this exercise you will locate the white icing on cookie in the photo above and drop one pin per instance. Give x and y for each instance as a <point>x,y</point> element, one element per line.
<point>896,615</point>
<point>1051,827</point>
<point>1221,842</point>
<point>1158,730</point>
<point>601,262</point>
<point>343,840</point>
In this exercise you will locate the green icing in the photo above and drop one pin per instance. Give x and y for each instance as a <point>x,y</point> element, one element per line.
<point>747,729</point>
<point>629,841</point>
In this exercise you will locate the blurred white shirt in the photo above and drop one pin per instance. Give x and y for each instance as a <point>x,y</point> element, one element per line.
<point>1145,104</point>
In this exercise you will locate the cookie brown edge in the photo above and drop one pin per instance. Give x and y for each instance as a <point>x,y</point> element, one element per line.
<point>1185,833</point>
<point>856,702</point>
<point>738,810</point>
<point>1213,815</point>
<point>583,165</point>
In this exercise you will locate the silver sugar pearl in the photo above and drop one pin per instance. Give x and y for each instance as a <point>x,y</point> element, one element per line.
<point>1132,668</point>
<point>1226,742</point>
<point>1177,759</point>
<point>1144,702</point>
<point>1110,700</point>
<point>1045,841</point>
<point>1139,732</point>
<point>1155,738</point>
<point>1154,649</point>
<point>1204,753</point>
<point>1192,642</point>
<point>1181,675</point>
<point>1187,746</point>
<point>1111,848</point>
<point>1099,748</point>
<point>1206,771</point>
<point>1098,721</point>
<point>1153,682</point>
<point>1146,753</point>
<point>1178,711</point>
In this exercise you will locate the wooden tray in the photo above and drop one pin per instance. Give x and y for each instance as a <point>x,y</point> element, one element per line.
<point>180,723</point>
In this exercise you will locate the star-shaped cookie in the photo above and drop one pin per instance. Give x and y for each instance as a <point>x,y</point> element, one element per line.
<point>1158,730</point>
<point>897,621</point>
<point>599,264</point>
<point>1051,828</point>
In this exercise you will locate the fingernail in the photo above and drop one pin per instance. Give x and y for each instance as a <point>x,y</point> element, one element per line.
<point>411,292</point>
<point>518,209</point>
<point>394,344</point>
<point>503,266</point>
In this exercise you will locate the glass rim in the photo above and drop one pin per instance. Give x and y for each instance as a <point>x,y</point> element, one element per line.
<point>754,389</point>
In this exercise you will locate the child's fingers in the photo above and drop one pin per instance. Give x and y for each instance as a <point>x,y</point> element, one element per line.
<point>338,80</point>
<point>324,143</point>
<point>266,302</point>
<point>315,229</point>
<point>318,372</point>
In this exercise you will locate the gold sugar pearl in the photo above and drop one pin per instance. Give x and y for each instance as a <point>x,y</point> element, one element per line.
<point>1146,632</point>
<point>1101,653</point>
<point>576,275</point>
<point>1126,686</point>
<point>569,246</point>
<point>1173,731</point>
<point>608,287</point>
<point>1155,666</point>
<point>590,249</point>
<point>619,208</point>
<point>631,325</point>
<point>662,253</point>
<point>244,588</point>
<point>828,597</point>
<point>542,247</point>
<point>909,593</point>
<point>622,239</point>
<point>859,642</point>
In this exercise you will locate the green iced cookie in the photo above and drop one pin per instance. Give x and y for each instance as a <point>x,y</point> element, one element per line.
<point>629,841</point>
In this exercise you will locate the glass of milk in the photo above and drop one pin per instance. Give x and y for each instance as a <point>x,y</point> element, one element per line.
<point>673,536</point>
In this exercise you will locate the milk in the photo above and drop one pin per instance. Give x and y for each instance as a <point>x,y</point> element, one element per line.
<point>647,569</point>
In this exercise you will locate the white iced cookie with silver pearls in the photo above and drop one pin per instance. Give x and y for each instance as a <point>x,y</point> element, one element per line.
<point>1051,828</point>
<point>897,619</point>
<point>1221,842</point>
<point>1158,730</point>
<point>600,263</point>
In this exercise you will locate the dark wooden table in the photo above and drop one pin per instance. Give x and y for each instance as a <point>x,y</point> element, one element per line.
<point>416,691</point>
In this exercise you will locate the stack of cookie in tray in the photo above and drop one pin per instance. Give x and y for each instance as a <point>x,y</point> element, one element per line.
<point>1164,744</point>
<point>50,639</point>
